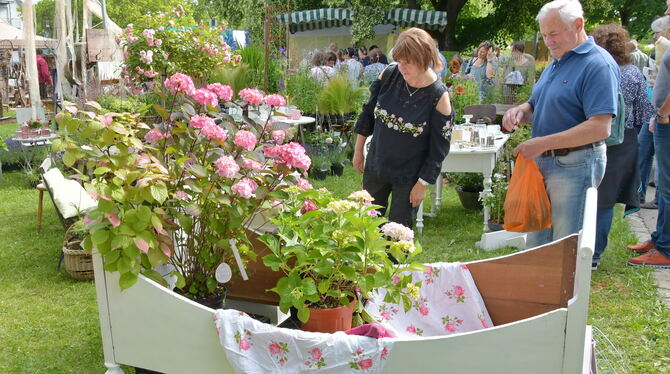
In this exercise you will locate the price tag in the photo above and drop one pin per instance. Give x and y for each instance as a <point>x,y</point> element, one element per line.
<point>223,273</point>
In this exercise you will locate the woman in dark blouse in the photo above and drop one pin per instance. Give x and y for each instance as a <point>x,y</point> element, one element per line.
<point>622,177</point>
<point>410,116</point>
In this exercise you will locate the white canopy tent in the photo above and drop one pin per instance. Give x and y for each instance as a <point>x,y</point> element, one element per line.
<point>12,37</point>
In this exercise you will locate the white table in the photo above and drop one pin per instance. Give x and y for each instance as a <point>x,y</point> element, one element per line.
<point>38,141</point>
<point>467,160</point>
<point>304,120</point>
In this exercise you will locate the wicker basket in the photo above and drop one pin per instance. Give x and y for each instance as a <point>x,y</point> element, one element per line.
<point>78,263</point>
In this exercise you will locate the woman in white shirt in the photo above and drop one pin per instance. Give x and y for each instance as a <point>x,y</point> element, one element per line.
<point>351,67</point>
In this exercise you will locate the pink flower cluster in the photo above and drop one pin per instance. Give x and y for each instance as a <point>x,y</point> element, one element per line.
<point>214,132</point>
<point>308,206</point>
<point>245,188</point>
<point>398,231</point>
<point>246,139</point>
<point>147,57</point>
<point>198,121</point>
<point>275,100</point>
<point>224,92</point>
<point>204,96</point>
<point>250,164</point>
<point>154,136</point>
<point>292,154</point>
<point>179,82</point>
<point>251,96</point>
<point>226,167</point>
<point>303,184</point>
<point>278,136</point>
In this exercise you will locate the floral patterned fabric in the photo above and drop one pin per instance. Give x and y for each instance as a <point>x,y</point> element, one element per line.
<point>253,347</point>
<point>450,303</point>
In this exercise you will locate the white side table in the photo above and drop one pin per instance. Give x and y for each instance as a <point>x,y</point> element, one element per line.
<point>304,120</point>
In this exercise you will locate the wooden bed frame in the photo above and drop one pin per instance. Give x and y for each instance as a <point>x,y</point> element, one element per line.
<point>537,299</point>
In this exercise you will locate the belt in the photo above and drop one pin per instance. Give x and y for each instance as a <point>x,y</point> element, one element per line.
<point>565,151</point>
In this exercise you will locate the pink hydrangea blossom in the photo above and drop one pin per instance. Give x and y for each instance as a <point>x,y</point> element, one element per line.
<point>179,82</point>
<point>308,206</point>
<point>154,136</point>
<point>226,167</point>
<point>245,188</point>
<point>158,42</point>
<point>147,57</point>
<point>250,164</point>
<point>251,96</point>
<point>398,231</point>
<point>278,135</point>
<point>292,154</point>
<point>214,132</point>
<point>224,92</point>
<point>246,139</point>
<point>304,184</point>
<point>198,121</point>
<point>204,96</point>
<point>275,100</point>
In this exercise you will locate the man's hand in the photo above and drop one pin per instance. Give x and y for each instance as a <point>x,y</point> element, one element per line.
<point>417,194</point>
<point>358,161</point>
<point>531,148</point>
<point>512,118</point>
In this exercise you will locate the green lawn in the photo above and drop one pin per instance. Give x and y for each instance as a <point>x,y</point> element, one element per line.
<point>49,323</point>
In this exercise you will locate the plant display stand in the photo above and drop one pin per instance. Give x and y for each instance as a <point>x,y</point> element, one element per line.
<point>537,299</point>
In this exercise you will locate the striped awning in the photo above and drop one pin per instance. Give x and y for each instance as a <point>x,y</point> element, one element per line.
<point>316,19</point>
<point>334,17</point>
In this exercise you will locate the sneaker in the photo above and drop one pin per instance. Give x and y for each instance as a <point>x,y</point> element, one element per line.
<point>594,265</point>
<point>642,247</point>
<point>649,205</point>
<point>652,258</point>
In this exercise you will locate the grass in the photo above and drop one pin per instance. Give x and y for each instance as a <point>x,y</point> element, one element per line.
<point>49,323</point>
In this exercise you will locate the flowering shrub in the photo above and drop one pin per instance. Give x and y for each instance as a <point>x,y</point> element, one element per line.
<point>167,46</point>
<point>333,251</point>
<point>464,92</point>
<point>182,190</point>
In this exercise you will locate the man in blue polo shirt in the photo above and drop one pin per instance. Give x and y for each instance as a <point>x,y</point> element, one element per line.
<point>571,110</point>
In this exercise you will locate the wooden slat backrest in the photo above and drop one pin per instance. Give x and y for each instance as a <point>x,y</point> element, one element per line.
<point>528,283</point>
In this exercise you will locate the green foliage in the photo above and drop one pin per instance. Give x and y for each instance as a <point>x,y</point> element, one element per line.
<point>339,96</point>
<point>471,182</point>
<point>253,55</point>
<point>333,249</point>
<point>130,104</point>
<point>495,200</point>
<point>237,77</point>
<point>464,92</point>
<point>140,12</point>
<point>303,91</point>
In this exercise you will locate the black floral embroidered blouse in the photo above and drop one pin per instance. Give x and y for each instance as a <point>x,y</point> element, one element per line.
<point>411,137</point>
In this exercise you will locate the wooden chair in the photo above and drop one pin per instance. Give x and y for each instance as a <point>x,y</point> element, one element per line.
<point>486,112</point>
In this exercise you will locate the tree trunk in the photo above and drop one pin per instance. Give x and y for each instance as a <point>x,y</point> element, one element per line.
<point>447,38</point>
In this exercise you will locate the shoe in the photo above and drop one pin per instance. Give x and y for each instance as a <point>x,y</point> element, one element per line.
<point>652,258</point>
<point>641,248</point>
<point>649,205</point>
<point>594,265</point>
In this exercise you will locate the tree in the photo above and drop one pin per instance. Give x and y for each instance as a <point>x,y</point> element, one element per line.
<point>123,12</point>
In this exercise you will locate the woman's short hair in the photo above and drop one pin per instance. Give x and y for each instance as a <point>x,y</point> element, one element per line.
<point>319,58</point>
<point>568,10</point>
<point>518,46</point>
<point>616,40</point>
<point>416,46</point>
<point>374,55</point>
<point>330,56</point>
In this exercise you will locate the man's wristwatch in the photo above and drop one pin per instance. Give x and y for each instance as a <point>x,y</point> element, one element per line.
<point>662,118</point>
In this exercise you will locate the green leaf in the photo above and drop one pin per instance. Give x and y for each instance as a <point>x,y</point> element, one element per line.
<point>272,261</point>
<point>303,314</point>
<point>99,236</point>
<point>161,112</point>
<point>324,285</point>
<point>101,170</point>
<point>181,282</point>
<point>127,280</point>
<point>308,286</point>
<point>154,276</point>
<point>156,256</point>
<point>159,192</point>
<point>69,158</point>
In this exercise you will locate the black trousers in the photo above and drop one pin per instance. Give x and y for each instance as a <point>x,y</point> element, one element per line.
<point>401,211</point>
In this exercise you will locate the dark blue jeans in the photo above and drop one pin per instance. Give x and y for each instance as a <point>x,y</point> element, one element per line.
<point>661,236</point>
<point>603,226</point>
<point>645,156</point>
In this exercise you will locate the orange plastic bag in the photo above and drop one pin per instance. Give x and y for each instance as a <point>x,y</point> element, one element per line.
<point>527,206</point>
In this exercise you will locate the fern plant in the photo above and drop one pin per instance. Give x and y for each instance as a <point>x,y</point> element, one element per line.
<point>339,96</point>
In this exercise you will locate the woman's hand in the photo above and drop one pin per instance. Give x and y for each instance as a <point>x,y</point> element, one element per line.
<point>489,55</point>
<point>358,161</point>
<point>417,194</point>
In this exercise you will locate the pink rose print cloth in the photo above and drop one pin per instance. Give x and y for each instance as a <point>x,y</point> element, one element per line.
<point>450,304</point>
<point>253,347</point>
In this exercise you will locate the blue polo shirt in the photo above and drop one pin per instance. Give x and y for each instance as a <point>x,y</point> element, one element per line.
<point>582,84</point>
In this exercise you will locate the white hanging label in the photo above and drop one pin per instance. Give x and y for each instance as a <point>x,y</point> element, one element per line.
<point>223,273</point>
<point>238,259</point>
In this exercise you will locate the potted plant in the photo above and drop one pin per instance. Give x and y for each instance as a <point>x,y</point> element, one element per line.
<point>468,187</point>
<point>185,191</point>
<point>321,165</point>
<point>495,200</point>
<point>339,98</point>
<point>335,253</point>
<point>337,158</point>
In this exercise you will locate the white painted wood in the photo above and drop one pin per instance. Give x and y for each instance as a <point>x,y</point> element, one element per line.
<point>31,57</point>
<point>149,326</point>
<point>497,239</point>
<point>275,315</point>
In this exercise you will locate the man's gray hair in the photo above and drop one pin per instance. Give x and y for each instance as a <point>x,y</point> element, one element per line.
<point>568,10</point>
<point>661,24</point>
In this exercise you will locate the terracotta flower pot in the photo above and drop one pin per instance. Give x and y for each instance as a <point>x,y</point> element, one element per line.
<point>330,320</point>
